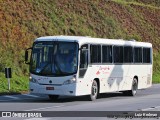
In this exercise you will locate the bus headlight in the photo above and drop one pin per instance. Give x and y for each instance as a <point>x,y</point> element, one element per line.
<point>31,79</point>
<point>70,81</point>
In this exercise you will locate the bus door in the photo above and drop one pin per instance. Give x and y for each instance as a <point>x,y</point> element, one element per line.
<point>83,60</point>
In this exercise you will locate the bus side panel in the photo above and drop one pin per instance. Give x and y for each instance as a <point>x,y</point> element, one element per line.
<point>84,84</point>
<point>110,78</point>
<point>144,74</point>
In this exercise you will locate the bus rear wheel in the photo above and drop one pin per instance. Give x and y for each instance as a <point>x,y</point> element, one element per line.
<point>94,91</point>
<point>53,97</point>
<point>134,88</point>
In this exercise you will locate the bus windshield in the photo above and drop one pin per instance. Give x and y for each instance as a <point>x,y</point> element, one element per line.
<point>54,58</point>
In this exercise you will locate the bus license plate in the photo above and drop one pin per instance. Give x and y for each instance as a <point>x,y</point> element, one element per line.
<point>49,88</point>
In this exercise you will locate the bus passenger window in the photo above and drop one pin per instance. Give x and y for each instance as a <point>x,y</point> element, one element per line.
<point>137,55</point>
<point>146,55</point>
<point>107,54</point>
<point>118,54</point>
<point>128,54</point>
<point>95,51</point>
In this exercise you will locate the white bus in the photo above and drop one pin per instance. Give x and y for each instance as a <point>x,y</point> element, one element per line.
<point>76,66</point>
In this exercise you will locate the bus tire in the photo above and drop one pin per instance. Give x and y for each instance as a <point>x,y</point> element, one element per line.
<point>133,90</point>
<point>94,91</point>
<point>53,97</point>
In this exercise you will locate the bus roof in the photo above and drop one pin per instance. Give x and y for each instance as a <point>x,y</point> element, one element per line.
<point>86,39</point>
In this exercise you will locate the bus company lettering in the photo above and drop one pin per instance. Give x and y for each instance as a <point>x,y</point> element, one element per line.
<point>103,70</point>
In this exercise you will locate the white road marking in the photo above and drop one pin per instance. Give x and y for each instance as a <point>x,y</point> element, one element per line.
<point>19,97</point>
<point>45,108</point>
<point>13,97</point>
<point>5,100</point>
<point>151,108</point>
<point>30,95</point>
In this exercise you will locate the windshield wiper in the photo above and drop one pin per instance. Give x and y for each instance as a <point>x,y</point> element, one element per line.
<point>41,71</point>
<point>57,65</point>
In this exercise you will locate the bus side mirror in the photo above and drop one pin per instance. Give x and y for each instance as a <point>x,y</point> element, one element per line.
<point>27,56</point>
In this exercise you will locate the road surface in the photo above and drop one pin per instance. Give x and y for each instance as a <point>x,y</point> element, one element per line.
<point>145,100</point>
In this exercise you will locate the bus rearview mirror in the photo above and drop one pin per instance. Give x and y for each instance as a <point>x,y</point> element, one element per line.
<point>27,56</point>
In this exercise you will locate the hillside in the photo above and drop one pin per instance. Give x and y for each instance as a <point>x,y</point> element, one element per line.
<point>21,21</point>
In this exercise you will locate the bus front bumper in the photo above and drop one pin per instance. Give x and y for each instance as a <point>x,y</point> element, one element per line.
<point>69,89</point>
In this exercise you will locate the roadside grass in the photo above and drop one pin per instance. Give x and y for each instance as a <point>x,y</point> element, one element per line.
<point>156,68</point>
<point>156,77</point>
<point>18,84</point>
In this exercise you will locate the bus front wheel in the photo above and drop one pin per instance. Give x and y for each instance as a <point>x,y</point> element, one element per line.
<point>94,91</point>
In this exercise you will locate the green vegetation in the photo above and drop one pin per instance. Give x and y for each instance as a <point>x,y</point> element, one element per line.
<point>140,3</point>
<point>23,21</point>
<point>19,83</point>
<point>156,64</point>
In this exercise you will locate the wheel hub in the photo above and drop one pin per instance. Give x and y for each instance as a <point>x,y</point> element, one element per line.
<point>94,89</point>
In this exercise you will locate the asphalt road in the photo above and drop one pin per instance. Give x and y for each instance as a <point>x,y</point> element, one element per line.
<point>145,100</point>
